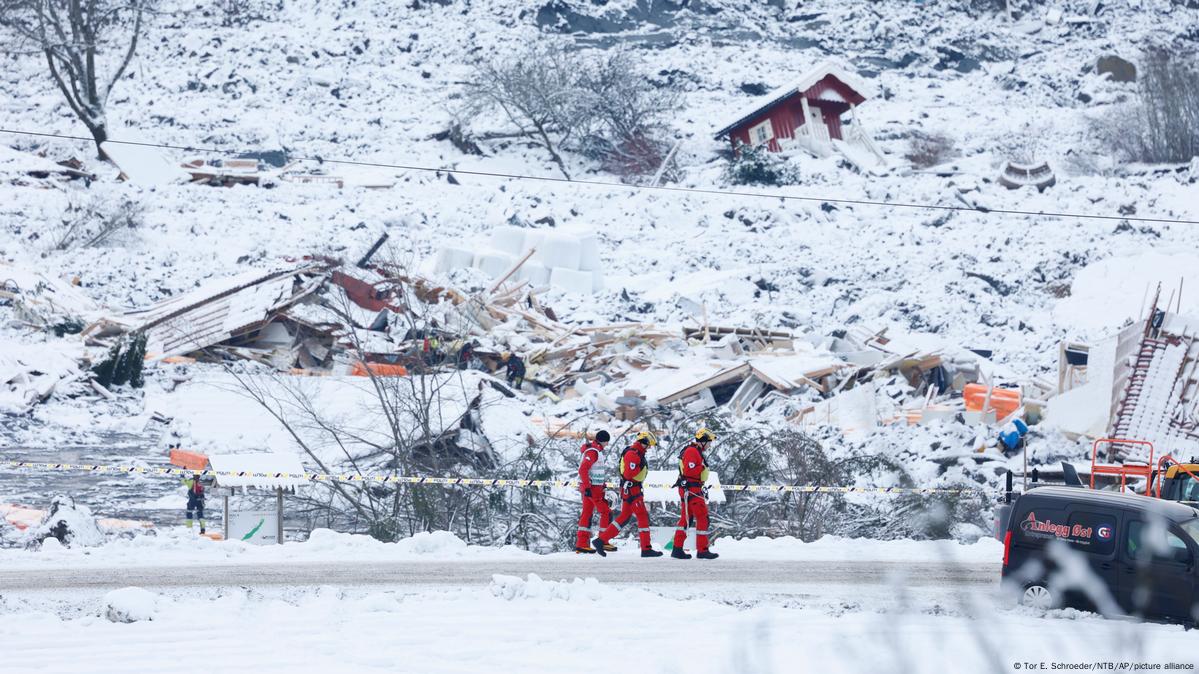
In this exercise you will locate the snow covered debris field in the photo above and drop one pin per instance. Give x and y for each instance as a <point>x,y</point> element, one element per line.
<point>837,306</point>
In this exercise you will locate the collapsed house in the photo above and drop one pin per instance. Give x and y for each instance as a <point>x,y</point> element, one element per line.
<point>1140,384</point>
<point>816,112</point>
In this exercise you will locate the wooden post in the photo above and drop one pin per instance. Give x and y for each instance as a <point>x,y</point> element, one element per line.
<point>499,282</point>
<point>226,516</point>
<point>279,514</point>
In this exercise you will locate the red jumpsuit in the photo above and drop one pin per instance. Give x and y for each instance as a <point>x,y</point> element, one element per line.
<point>693,473</point>
<point>591,486</point>
<point>633,470</point>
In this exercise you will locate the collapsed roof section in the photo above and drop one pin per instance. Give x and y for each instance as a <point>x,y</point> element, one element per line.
<point>218,311</point>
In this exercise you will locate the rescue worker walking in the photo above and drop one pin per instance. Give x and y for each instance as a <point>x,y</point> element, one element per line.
<point>591,487</point>
<point>633,470</point>
<point>195,500</point>
<point>693,475</point>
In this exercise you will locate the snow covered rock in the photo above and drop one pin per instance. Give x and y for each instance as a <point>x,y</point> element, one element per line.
<point>69,524</point>
<point>130,605</point>
<point>431,542</point>
<point>511,588</point>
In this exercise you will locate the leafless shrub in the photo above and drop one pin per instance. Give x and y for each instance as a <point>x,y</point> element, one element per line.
<point>234,13</point>
<point>539,93</point>
<point>94,222</point>
<point>602,107</point>
<point>930,149</point>
<point>1162,125</point>
<point>76,37</point>
<point>628,114</point>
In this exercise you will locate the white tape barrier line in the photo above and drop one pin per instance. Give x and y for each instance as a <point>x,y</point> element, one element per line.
<point>460,481</point>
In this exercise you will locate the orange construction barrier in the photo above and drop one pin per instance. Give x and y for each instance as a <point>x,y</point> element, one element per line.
<point>378,369</point>
<point>188,460</point>
<point>1003,400</point>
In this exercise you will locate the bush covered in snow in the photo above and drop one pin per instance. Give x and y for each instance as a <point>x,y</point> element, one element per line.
<point>68,523</point>
<point>929,149</point>
<point>758,166</point>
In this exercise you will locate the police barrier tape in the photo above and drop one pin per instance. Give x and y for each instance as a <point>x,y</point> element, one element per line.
<point>351,478</point>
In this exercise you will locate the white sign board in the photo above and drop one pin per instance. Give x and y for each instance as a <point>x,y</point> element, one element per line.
<point>670,494</point>
<point>260,527</point>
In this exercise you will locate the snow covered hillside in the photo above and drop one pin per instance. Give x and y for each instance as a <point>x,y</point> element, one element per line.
<point>379,82</point>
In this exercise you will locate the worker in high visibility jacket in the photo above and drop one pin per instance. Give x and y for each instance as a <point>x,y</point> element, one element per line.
<point>633,470</point>
<point>692,484</point>
<point>195,499</point>
<point>591,488</point>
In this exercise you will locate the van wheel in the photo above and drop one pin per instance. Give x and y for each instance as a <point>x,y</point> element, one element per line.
<point>1038,597</point>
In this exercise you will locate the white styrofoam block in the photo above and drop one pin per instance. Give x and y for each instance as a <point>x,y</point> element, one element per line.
<point>533,239</point>
<point>494,264</point>
<point>597,281</point>
<point>589,252</point>
<point>449,259</point>
<point>559,250</point>
<point>509,239</point>
<point>572,280</point>
<point>535,273</point>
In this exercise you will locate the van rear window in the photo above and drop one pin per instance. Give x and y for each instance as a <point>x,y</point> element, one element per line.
<point>1094,533</point>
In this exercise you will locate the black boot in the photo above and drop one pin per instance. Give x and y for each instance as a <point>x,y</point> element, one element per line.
<point>650,552</point>
<point>584,551</point>
<point>679,553</point>
<point>706,554</point>
<point>598,544</point>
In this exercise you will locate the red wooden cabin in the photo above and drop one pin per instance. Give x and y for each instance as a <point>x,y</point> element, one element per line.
<point>807,111</point>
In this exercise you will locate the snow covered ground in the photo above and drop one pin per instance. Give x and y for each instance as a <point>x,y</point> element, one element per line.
<point>181,547</point>
<point>534,625</point>
<point>544,624</point>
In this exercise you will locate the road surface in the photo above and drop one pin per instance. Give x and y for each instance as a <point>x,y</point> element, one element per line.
<point>728,573</point>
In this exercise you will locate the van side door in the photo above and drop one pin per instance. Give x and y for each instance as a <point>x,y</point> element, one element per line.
<point>1157,570</point>
<point>1091,530</point>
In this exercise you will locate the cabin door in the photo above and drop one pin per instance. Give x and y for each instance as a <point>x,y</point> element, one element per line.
<point>817,127</point>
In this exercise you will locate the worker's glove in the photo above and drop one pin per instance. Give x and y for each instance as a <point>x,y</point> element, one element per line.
<point>705,490</point>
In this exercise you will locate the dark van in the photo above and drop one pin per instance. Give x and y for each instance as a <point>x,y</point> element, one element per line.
<point>1103,551</point>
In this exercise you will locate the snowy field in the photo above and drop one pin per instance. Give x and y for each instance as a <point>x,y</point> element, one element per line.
<point>532,625</point>
<point>548,623</point>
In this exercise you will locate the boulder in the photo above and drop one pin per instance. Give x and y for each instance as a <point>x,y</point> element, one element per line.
<point>1119,69</point>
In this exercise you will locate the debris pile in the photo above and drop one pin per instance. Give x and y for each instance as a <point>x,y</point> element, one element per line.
<point>320,316</point>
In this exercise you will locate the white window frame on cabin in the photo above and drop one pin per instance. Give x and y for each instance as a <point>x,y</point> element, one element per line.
<point>766,137</point>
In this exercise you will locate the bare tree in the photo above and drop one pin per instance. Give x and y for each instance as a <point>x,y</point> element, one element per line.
<point>1162,125</point>
<point>538,91</point>
<point>76,38</point>
<point>602,106</point>
<point>627,113</point>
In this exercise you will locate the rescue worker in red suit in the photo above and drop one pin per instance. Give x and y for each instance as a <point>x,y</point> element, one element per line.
<point>633,470</point>
<point>591,487</point>
<point>693,476</point>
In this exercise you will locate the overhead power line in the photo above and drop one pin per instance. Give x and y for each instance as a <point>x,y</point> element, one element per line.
<point>623,186</point>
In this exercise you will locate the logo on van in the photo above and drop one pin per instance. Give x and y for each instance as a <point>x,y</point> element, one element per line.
<point>1104,533</point>
<point>1033,525</point>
